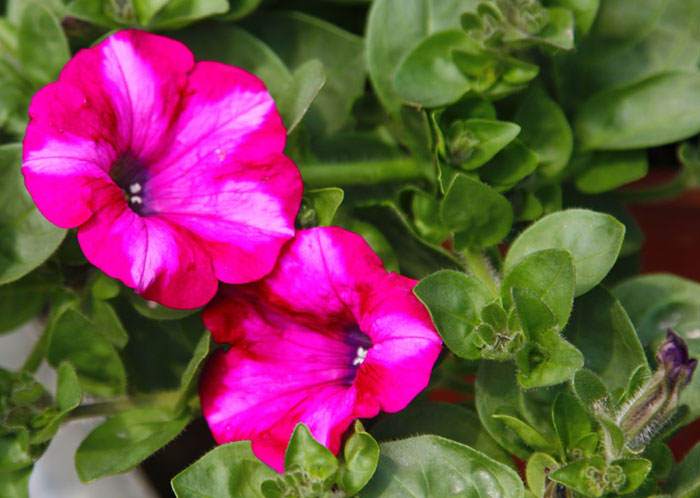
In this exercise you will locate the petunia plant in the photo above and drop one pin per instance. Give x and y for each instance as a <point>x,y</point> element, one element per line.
<point>349,248</point>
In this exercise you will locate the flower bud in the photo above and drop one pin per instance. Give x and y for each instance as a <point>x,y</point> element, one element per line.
<point>651,408</point>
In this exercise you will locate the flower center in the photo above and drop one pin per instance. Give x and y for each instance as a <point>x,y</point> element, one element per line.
<point>360,344</point>
<point>130,174</point>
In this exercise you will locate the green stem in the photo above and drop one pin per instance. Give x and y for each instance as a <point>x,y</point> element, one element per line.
<point>363,173</point>
<point>479,265</point>
<point>38,352</point>
<point>163,399</point>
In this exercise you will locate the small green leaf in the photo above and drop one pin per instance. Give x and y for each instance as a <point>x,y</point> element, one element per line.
<point>14,452</point>
<point>125,440</point>
<point>426,217</point>
<point>76,339</point>
<point>546,358</point>
<point>107,323</point>
<point>307,454</point>
<point>471,143</point>
<point>23,299</point>
<point>324,203</point>
<point>571,422</point>
<point>179,13</point>
<point>360,459</point>
<point>104,288</point>
<point>146,9</point>
<point>526,432</point>
<point>27,239</point>
<point>431,466</point>
<point>68,392</point>
<point>241,8</point>
<point>510,166</point>
<point>593,239</point>
<point>591,391</point>
<point>559,31</point>
<point>428,76</point>
<point>188,381</point>
<point>307,81</point>
<point>548,275</point>
<point>454,301</point>
<point>538,467</point>
<point>583,476</point>
<point>15,484</point>
<point>604,171</point>
<point>635,471</point>
<point>227,471</point>
<point>480,216</point>
<point>645,114</point>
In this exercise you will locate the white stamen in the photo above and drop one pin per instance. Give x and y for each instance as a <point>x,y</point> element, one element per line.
<point>360,356</point>
<point>135,199</point>
<point>135,188</point>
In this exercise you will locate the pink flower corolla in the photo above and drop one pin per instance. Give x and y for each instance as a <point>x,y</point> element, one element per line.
<point>173,171</point>
<point>329,336</point>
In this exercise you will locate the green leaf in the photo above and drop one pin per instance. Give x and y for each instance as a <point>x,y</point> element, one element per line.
<point>441,419</point>
<point>497,392</point>
<point>43,48</point>
<point>68,392</point>
<point>559,31</point>
<point>685,480</point>
<point>417,258</point>
<point>104,287</point>
<point>426,217</point>
<point>125,440</point>
<point>77,339</point>
<point>26,238</point>
<point>324,203</point>
<point>526,432</point>
<point>645,114</point>
<point>545,130</point>
<point>234,46</point>
<point>546,358</point>
<point>227,471</point>
<point>601,329</point>
<point>154,311</point>
<point>549,276</point>
<point>473,142</point>
<point>428,77</point>
<point>394,27</point>
<point>307,454</point>
<point>431,466</point>
<point>539,465</point>
<point>480,216</point>
<point>298,38</point>
<point>591,391</point>
<point>509,167</point>
<point>584,12</point>
<point>582,476</point>
<point>605,171</point>
<point>454,301</point>
<point>360,459</point>
<point>15,484</point>
<point>241,8</point>
<point>188,381</point>
<point>179,13</point>
<point>635,470</point>
<point>106,322</point>
<point>571,422</point>
<point>146,9</point>
<point>23,299</point>
<point>307,82</point>
<point>14,452</point>
<point>593,239</point>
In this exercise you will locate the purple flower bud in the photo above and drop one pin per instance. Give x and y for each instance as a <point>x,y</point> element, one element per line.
<point>649,410</point>
<point>673,356</point>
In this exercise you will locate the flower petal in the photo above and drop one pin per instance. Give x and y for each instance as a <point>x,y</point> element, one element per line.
<point>225,177</point>
<point>160,261</point>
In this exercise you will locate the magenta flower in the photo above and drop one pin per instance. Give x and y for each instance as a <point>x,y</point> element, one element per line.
<point>173,171</point>
<point>329,336</point>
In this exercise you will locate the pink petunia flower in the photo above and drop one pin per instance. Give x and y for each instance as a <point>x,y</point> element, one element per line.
<point>173,171</point>
<point>329,336</point>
